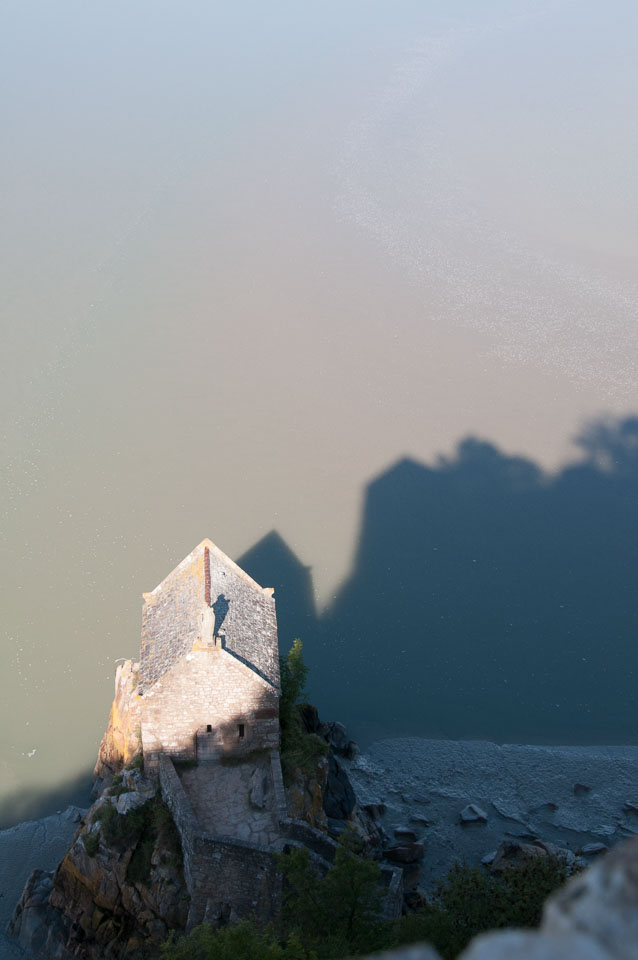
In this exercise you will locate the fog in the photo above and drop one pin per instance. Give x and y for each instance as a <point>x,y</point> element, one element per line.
<point>255,255</point>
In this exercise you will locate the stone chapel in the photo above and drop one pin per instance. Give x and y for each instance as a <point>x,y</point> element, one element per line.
<point>208,682</point>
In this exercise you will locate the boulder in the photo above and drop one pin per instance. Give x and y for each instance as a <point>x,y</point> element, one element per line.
<point>601,902</point>
<point>593,849</point>
<point>336,735</point>
<point>338,800</point>
<point>336,828</point>
<point>129,801</point>
<point>418,818</point>
<point>375,810</point>
<point>405,853</point>
<point>512,854</point>
<point>581,789</point>
<point>405,834</point>
<point>472,813</point>
<point>258,789</point>
<point>531,945</point>
<point>411,876</point>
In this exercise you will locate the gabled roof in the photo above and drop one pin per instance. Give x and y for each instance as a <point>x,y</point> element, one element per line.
<point>245,618</point>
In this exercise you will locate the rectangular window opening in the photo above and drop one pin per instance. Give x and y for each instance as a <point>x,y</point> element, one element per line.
<point>209,728</point>
<point>241,729</point>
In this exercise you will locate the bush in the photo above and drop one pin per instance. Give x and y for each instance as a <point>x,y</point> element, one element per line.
<point>137,763</point>
<point>335,915</point>
<point>117,787</point>
<point>472,901</point>
<point>299,750</point>
<point>241,942</point>
<point>91,843</point>
<point>141,829</point>
<point>122,830</point>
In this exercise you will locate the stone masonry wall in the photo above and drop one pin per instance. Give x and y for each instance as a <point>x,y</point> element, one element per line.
<point>221,874</point>
<point>178,803</point>
<point>209,687</point>
<point>231,875</point>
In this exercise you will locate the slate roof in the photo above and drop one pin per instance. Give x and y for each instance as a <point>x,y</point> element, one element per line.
<point>245,618</point>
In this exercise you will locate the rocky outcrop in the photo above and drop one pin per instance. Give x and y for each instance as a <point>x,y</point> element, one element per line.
<point>121,742</point>
<point>304,795</point>
<point>119,889</point>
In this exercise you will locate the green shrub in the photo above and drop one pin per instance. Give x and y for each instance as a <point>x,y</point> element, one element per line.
<point>299,750</point>
<point>335,915</point>
<point>122,830</point>
<point>141,829</point>
<point>117,787</point>
<point>139,867</point>
<point>241,942</point>
<point>137,763</point>
<point>472,901</point>
<point>91,843</point>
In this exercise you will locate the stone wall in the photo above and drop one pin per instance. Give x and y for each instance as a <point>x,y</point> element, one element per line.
<point>231,877</point>
<point>209,688</point>
<point>222,875</point>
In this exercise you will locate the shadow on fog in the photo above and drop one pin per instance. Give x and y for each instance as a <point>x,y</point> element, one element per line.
<point>33,803</point>
<point>487,599</point>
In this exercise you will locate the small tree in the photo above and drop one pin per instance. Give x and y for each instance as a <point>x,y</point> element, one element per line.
<point>241,942</point>
<point>335,915</point>
<point>294,674</point>
<point>299,750</point>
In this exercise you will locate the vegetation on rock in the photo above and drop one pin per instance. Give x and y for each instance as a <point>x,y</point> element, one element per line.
<point>300,750</point>
<point>336,916</point>
<point>472,901</point>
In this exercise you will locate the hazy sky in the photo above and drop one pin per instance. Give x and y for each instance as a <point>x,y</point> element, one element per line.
<point>254,253</point>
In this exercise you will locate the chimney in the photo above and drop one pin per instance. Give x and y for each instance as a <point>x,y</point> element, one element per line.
<point>207,576</point>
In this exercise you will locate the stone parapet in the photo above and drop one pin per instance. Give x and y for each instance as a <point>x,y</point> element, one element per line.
<point>278,785</point>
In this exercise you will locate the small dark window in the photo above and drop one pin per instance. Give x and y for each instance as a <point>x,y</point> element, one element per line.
<point>209,728</point>
<point>241,729</point>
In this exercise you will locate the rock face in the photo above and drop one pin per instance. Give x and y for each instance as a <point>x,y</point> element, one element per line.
<point>304,795</point>
<point>118,890</point>
<point>325,798</point>
<point>339,800</point>
<point>602,903</point>
<point>121,742</point>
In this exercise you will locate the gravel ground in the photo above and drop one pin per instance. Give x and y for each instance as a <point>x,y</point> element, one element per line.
<point>569,796</point>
